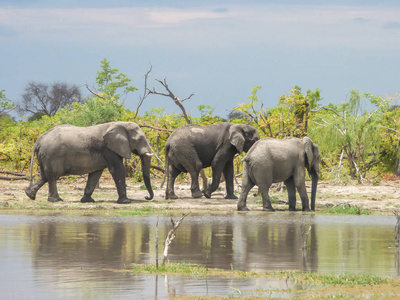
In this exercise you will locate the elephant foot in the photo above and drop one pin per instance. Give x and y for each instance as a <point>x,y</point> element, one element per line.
<point>197,194</point>
<point>54,199</point>
<point>30,194</point>
<point>306,209</point>
<point>268,209</point>
<point>207,194</point>
<point>292,208</point>
<point>231,197</point>
<point>124,201</point>
<point>87,199</point>
<point>171,196</point>
<point>243,208</point>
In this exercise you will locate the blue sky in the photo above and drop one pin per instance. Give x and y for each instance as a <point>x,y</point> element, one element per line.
<point>216,49</point>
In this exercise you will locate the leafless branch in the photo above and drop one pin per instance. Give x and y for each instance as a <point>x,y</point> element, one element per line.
<point>305,235</point>
<point>97,95</point>
<point>171,235</point>
<point>155,128</point>
<point>173,97</point>
<point>391,129</point>
<point>146,91</point>
<point>325,108</point>
<point>16,176</point>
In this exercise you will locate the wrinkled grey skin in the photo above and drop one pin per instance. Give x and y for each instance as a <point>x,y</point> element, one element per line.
<point>191,148</point>
<point>70,150</point>
<point>272,160</point>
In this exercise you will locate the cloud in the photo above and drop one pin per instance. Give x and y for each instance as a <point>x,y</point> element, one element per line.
<point>361,20</point>
<point>208,26</point>
<point>220,10</point>
<point>392,25</point>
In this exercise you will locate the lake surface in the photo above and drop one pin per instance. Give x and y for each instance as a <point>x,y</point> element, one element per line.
<point>60,257</point>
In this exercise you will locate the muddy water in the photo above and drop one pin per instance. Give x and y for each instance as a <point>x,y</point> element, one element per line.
<point>55,257</point>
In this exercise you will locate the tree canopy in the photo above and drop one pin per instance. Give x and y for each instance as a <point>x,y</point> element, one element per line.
<point>41,99</point>
<point>358,139</point>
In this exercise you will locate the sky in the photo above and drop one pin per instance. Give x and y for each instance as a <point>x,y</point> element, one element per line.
<point>217,49</point>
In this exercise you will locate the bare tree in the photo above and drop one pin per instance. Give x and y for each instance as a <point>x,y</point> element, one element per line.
<point>173,97</point>
<point>41,99</point>
<point>178,102</point>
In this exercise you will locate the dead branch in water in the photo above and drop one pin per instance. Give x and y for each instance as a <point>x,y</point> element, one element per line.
<point>305,237</point>
<point>171,235</point>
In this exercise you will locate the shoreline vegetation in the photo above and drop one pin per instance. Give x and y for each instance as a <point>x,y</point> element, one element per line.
<point>309,285</point>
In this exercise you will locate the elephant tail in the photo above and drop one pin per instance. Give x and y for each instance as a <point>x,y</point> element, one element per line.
<point>35,149</point>
<point>166,165</point>
<point>246,158</point>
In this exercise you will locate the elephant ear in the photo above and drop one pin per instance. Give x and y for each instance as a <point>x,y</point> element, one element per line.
<point>236,138</point>
<point>116,139</point>
<point>310,155</point>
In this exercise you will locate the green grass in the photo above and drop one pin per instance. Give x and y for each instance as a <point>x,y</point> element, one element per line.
<point>350,279</point>
<point>346,209</point>
<point>143,187</point>
<point>143,211</point>
<point>183,268</point>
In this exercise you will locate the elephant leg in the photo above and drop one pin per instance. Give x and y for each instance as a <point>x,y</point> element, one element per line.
<point>194,187</point>
<point>267,206</point>
<point>34,187</point>
<point>216,177</point>
<point>116,167</point>
<point>301,188</point>
<point>53,193</point>
<point>93,180</point>
<point>247,185</point>
<point>229,174</point>
<point>291,193</point>
<point>171,176</point>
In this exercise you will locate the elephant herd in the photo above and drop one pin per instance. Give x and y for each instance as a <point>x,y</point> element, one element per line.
<point>70,150</point>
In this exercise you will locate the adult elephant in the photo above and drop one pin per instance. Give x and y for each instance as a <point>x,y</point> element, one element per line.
<point>191,148</point>
<point>272,160</point>
<point>70,150</point>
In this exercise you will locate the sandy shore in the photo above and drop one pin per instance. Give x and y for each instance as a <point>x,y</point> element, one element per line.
<point>380,199</point>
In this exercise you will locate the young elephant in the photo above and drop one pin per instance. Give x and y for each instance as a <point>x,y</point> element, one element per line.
<point>191,148</point>
<point>70,150</point>
<point>272,160</point>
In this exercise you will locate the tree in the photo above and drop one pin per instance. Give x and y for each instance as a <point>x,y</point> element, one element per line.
<point>110,82</point>
<point>5,104</point>
<point>353,131</point>
<point>41,99</point>
<point>290,118</point>
<point>390,145</point>
<point>300,107</point>
<point>104,105</point>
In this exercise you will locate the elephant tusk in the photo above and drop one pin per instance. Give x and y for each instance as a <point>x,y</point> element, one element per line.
<point>148,154</point>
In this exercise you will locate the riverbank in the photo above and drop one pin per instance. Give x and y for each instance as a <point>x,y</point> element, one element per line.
<point>366,198</point>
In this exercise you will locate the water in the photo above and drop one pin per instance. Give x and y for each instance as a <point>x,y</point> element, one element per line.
<point>59,257</point>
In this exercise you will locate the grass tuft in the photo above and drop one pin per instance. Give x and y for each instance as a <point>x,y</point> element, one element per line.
<point>143,211</point>
<point>172,268</point>
<point>351,279</point>
<point>346,209</point>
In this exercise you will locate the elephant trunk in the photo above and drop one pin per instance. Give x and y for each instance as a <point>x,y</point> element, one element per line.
<point>146,159</point>
<point>314,179</point>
